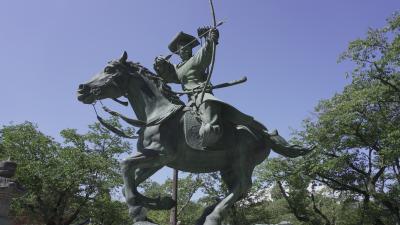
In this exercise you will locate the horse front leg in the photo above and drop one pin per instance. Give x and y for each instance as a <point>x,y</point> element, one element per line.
<point>135,170</point>
<point>160,203</point>
<point>129,166</point>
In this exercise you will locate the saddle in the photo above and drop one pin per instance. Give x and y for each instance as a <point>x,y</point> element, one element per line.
<point>231,120</point>
<point>191,127</point>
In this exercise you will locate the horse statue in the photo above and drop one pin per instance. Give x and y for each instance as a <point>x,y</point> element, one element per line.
<point>167,137</point>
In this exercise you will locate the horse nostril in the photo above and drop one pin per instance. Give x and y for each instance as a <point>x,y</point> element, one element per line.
<point>95,91</point>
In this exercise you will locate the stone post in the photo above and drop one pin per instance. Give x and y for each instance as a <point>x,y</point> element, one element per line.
<point>9,189</point>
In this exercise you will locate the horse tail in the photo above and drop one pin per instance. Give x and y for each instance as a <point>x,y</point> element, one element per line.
<point>279,145</point>
<point>276,142</point>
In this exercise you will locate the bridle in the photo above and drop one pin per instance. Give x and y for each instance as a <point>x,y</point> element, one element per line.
<point>96,92</point>
<point>133,122</point>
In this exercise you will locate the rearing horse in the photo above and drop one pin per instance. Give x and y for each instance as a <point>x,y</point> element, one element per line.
<point>162,139</point>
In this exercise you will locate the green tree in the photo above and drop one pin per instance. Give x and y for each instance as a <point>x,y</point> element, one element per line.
<point>294,192</point>
<point>188,209</point>
<point>251,209</point>
<point>357,143</point>
<point>67,182</point>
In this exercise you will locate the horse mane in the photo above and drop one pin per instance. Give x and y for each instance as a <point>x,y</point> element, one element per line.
<point>158,81</point>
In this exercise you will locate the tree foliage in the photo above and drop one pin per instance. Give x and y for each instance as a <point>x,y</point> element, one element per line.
<point>188,209</point>
<point>66,182</point>
<point>356,137</point>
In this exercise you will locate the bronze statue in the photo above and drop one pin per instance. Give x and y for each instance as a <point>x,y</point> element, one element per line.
<point>205,135</point>
<point>169,136</point>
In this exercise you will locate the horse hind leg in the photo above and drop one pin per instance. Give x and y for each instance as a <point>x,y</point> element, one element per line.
<point>237,191</point>
<point>207,211</point>
<point>237,178</point>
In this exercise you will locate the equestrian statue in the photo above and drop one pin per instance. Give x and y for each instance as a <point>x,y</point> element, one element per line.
<point>201,136</point>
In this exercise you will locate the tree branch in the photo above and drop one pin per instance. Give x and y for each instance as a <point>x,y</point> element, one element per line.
<point>327,222</point>
<point>351,165</point>
<point>363,140</point>
<point>369,162</point>
<point>392,206</point>
<point>381,79</point>
<point>78,210</point>
<point>296,213</point>
<point>191,193</point>
<point>377,175</point>
<point>396,173</point>
<point>345,187</point>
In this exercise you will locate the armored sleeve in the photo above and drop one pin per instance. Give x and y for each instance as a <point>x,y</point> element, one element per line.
<point>202,58</point>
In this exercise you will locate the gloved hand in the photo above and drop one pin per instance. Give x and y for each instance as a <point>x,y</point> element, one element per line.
<point>160,65</point>
<point>209,32</point>
<point>214,35</point>
<point>203,31</point>
<point>165,69</point>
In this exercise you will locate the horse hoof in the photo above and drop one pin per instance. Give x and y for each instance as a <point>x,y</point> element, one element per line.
<point>137,213</point>
<point>167,202</point>
<point>212,220</point>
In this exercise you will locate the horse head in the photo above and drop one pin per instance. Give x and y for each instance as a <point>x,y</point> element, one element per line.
<point>111,82</point>
<point>146,92</point>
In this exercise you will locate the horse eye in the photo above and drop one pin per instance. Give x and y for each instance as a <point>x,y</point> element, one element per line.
<point>109,69</point>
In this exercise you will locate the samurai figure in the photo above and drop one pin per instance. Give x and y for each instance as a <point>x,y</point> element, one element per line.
<point>192,73</point>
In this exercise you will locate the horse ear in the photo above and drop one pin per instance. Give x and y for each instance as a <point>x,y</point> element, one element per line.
<point>124,57</point>
<point>168,56</point>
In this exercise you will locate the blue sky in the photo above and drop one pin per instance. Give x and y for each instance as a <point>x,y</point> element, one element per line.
<point>287,49</point>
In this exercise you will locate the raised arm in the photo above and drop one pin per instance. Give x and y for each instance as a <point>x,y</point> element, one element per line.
<point>203,56</point>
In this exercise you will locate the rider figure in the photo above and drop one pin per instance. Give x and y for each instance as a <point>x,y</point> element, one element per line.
<point>191,74</point>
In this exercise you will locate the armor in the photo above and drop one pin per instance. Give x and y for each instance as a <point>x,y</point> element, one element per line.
<point>191,74</point>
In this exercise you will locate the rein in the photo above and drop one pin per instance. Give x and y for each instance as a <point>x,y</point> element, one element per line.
<point>134,122</point>
<point>111,127</point>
